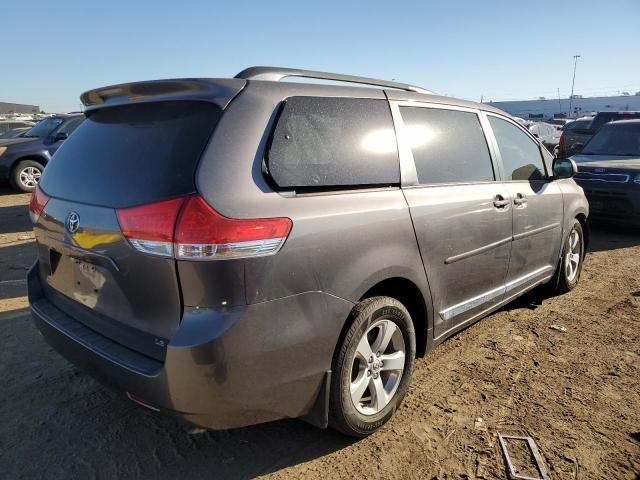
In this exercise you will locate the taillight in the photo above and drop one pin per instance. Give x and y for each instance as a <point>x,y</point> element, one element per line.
<point>202,233</point>
<point>149,228</point>
<point>189,229</point>
<point>563,139</point>
<point>38,202</point>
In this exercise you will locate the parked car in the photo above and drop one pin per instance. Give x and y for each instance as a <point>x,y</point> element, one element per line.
<point>16,132</point>
<point>22,159</point>
<point>235,251</point>
<point>548,135</point>
<point>572,133</point>
<point>6,125</point>
<point>609,172</point>
<point>582,135</point>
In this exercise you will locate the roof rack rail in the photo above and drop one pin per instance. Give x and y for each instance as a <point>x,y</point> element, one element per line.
<point>276,74</point>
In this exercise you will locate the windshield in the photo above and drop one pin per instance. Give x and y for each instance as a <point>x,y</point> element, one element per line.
<point>44,128</point>
<point>619,139</point>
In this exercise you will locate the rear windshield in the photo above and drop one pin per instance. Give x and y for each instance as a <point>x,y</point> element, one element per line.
<point>577,125</point>
<point>134,154</point>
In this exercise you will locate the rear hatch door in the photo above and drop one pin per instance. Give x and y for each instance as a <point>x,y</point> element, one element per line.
<point>120,157</point>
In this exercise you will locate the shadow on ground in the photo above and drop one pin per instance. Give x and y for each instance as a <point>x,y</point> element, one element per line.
<point>5,189</point>
<point>15,261</point>
<point>606,236</point>
<point>90,431</point>
<point>14,219</point>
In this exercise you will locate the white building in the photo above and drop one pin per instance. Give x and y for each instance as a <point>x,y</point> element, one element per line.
<point>551,108</point>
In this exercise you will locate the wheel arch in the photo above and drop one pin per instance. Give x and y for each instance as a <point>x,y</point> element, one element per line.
<point>40,158</point>
<point>582,218</point>
<point>410,295</point>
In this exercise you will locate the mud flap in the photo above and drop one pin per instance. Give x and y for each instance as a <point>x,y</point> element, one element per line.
<point>318,416</point>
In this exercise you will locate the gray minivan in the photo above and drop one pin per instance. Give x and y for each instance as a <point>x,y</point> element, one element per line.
<point>235,251</point>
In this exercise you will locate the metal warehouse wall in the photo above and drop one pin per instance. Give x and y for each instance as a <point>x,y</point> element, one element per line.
<point>18,108</point>
<point>580,106</point>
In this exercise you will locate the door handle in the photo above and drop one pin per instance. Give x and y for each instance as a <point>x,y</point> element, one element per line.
<point>500,202</point>
<point>520,199</point>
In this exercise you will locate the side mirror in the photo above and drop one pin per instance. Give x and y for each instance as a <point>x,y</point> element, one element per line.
<point>564,168</point>
<point>577,147</point>
<point>61,136</point>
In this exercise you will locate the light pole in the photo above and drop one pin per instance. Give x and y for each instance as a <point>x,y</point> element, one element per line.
<point>575,64</point>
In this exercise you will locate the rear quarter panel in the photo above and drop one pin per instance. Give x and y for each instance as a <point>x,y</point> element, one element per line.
<point>341,243</point>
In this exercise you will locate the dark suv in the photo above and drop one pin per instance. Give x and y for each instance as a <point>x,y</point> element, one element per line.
<point>22,159</point>
<point>240,250</point>
<point>576,135</point>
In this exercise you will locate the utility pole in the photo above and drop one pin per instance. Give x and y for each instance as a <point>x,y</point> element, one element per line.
<point>575,64</point>
<point>559,102</point>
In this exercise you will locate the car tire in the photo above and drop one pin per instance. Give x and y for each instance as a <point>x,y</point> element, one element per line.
<point>366,392</point>
<point>571,260</point>
<point>25,175</point>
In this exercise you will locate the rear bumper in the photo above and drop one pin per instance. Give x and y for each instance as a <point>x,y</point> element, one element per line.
<point>223,369</point>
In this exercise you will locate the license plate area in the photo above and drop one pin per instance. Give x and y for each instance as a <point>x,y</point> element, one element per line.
<point>75,278</point>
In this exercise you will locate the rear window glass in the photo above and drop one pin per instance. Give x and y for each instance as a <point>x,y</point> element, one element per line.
<point>577,125</point>
<point>334,142</point>
<point>448,146</point>
<point>133,154</point>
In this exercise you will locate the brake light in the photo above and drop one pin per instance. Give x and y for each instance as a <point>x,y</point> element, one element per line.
<point>202,233</point>
<point>149,228</point>
<point>190,229</point>
<point>563,140</point>
<point>38,201</point>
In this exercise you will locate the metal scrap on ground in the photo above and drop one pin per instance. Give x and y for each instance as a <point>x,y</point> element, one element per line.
<point>533,449</point>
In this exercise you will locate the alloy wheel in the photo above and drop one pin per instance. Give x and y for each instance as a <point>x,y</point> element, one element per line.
<point>30,176</point>
<point>572,257</point>
<point>377,367</point>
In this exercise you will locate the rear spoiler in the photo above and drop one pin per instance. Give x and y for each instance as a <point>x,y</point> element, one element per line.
<point>220,91</point>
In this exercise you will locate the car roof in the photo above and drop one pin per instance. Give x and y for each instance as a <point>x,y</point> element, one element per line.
<point>622,112</point>
<point>222,90</point>
<point>67,115</point>
<point>625,122</point>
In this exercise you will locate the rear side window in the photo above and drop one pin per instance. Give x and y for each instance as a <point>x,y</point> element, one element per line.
<point>132,154</point>
<point>521,157</point>
<point>334,142</point>
<point>448,146</point>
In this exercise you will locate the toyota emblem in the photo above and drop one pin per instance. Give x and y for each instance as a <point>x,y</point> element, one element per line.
<point>73,222</point>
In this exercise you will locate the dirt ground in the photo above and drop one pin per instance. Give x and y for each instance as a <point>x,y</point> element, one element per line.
<point>577,393</point>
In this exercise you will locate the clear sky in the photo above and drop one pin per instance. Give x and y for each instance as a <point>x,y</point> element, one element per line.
<point>54,50</point>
